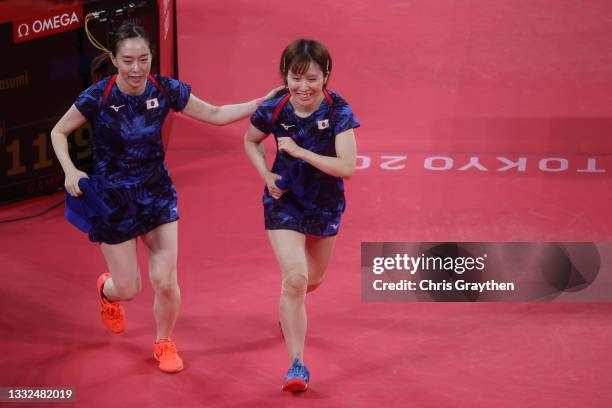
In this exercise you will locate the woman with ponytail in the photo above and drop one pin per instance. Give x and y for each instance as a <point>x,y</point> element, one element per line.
<point>127,111</point>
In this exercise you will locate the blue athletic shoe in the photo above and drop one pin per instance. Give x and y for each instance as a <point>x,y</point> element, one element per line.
<point>297,377</point>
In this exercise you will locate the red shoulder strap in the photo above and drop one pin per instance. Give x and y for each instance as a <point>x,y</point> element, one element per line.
<point>280,107</point>
<point>108,89</point>
<point>157,85</point>
<point>330,100</point>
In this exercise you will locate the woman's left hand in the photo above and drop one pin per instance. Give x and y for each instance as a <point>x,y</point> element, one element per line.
<point>287,145</point>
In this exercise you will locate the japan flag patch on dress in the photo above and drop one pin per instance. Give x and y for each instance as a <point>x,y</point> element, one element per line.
<point>323,124</point>
<point>152,103</point>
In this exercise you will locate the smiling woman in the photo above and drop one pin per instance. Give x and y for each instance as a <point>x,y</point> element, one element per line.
<point>127,111</point>
<point>304,194</point>
<point>133,63</point>
<point>305,67</point>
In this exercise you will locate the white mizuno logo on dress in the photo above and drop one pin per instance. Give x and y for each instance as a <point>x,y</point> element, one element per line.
<point>334,226</point>
<point>286,127</point>
<point>116,108</point>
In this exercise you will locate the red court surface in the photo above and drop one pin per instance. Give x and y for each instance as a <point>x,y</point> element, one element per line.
<point>481,121</point>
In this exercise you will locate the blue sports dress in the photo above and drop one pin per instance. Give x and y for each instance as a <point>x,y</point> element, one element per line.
<point>128,156</point>
<point>314,201</point>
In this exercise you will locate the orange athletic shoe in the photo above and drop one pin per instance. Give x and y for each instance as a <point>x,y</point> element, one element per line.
<point>169,360</point>
<point>112,313</point>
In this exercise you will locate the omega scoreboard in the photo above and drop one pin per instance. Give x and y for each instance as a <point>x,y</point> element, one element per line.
<point>45,57</point>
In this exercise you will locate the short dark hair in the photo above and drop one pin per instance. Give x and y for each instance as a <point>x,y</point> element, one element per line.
<point>299,54</point>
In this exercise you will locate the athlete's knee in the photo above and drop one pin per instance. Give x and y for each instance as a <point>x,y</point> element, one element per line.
<point>165,286</point>
<point>127,290</point>
<point>295,284</point>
